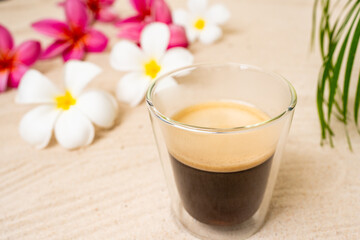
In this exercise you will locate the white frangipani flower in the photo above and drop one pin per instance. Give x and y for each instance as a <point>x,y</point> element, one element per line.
<point>70,112</point>
<point>147,63</point>
<point>201,22</point>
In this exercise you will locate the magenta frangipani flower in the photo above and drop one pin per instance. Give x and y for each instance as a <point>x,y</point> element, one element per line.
<point>74,37</point>
<point>149,11</point>
<point>101,9</point>
<point>14,62</point>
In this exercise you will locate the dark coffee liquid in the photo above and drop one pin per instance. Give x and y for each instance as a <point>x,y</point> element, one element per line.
<point>219,198</point>
<point>221,179</point>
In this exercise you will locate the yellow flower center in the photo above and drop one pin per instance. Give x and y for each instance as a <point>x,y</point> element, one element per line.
<point>152,68</point>
<point>199,24</point>
<point>65,101</point>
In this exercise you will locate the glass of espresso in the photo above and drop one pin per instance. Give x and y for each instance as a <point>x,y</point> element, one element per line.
<point>220,130</point>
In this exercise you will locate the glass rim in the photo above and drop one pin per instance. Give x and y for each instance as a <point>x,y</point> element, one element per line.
<point>194,128</point>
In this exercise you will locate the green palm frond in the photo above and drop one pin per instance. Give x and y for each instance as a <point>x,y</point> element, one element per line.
<point>339,35</point>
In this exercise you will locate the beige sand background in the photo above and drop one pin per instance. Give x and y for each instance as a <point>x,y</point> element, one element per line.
<point>115,189</point>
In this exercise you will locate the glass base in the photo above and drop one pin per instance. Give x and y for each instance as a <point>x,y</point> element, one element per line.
<point>210,232</point>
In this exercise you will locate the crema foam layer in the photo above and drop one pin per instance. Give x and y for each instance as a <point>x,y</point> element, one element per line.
<point>224,152</point>
<point>220,115</point>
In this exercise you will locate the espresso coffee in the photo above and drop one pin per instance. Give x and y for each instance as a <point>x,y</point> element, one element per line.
<point>223,184</point>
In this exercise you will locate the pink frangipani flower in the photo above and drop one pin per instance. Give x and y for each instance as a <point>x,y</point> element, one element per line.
<point>74,37</point>
<point>101,10</point>
<point>14,62</point>
<point>149,11</point>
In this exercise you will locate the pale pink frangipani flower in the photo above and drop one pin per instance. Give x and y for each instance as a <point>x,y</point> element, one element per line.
<point>202,21</point>
<point>149,11</point>
<point>70,113</point>
<point>101,10</point>
<point>15,61</point>
<point>144,65</point>
<point>74,37</point>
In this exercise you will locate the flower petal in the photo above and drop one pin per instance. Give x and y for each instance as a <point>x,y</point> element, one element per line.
<point>132,88</point>
<point>154,39</point>
<point>192,34</point>
<point>126,56</point>
<point>6,40</point>
<point>95,41</point>
<point>176,58</point>
<point>131,31</point>
<point>36,126</point>
<point>161,11</point>
<point>28,52</point>
<point>73,129</point>
<point>54,49</point>
<point>181,17</point>
<point>197,6</point>
<point>61,4</point>
<point>106,15</point>
<point>218,14</point>
<point>4,76</point>
<point>177,36</point>
<point>107,2</point>
<point>210,34</point>
<point>52,28</point>
<point>78,74</point>
<point>76,14</point>
<point>76,51</point>
<point>133,19</point>
<point>99,106</point>
<point>17,72</point>
<point>36,88</point>
<point>140,6</point>
<point>165,84</point>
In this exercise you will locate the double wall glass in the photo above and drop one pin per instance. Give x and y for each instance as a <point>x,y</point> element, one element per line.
<point>209,197</point>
